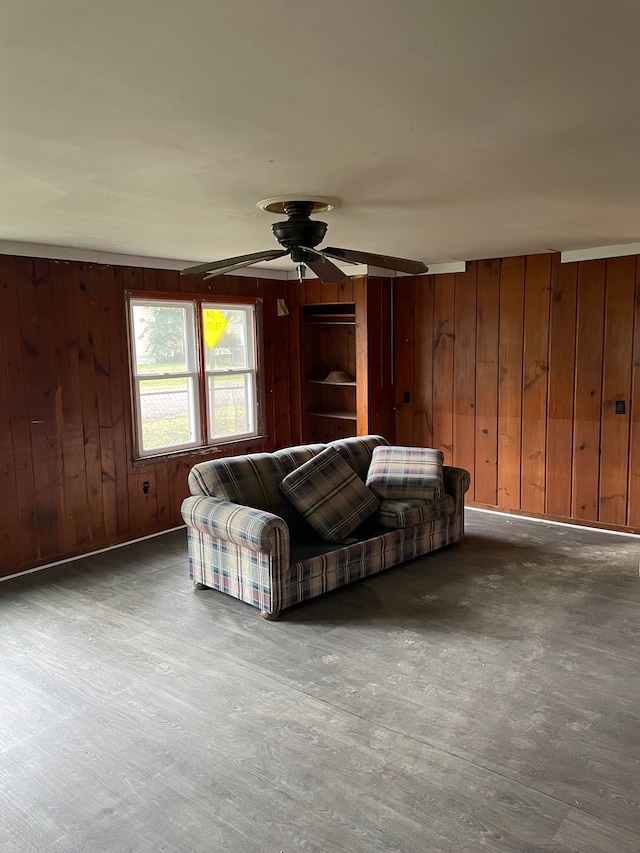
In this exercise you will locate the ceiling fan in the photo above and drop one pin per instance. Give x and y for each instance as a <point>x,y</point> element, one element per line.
<point>299,235</point>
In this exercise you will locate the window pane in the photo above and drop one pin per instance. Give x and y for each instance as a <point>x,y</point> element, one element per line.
<point>231,405</point>
<point>161,336</point>
<point>228,338</point>
<point>168,413</point>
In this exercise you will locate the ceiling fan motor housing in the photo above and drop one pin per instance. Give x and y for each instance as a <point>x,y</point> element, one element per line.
<point>299,231</point>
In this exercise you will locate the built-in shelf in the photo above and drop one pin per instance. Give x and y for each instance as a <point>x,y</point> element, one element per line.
<point>332,319</point>
<point>328,347</point>
<point>341,313</point>
<point>329,384</point>
<point>341,416</point>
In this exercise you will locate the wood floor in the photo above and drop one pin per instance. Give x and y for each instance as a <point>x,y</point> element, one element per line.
<point>484,698</point>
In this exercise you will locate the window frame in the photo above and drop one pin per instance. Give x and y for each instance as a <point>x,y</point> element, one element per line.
<point>198,375</point>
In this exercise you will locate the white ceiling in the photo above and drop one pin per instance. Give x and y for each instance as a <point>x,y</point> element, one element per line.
<point>448,129</point>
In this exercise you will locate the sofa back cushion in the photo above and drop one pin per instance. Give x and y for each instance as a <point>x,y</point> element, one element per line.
<point>251,480</point>
<point>290,458</point>
<point>357,451</point>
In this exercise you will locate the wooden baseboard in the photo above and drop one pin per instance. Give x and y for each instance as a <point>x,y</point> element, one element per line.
<point>580,522</point>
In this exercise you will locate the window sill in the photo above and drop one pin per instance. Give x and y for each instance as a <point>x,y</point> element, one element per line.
<point>214,450</point>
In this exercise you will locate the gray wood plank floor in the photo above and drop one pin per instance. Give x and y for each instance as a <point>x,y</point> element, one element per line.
<point>485,697</point>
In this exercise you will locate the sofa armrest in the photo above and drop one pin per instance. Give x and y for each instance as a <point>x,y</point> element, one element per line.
<point>456,483</point>
<point>242,525</point>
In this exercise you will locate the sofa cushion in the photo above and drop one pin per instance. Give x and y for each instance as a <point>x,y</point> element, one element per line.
<point>290,458</point>
<point>329,495</point>
<point>398,514</point>
<point>357,450</point>
<point>402,473</point>
<point>251,480</point>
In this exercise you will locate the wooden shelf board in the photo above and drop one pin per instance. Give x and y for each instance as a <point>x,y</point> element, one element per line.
<point>341,416</point>
<point>330,319</point>
<point>323,382</point>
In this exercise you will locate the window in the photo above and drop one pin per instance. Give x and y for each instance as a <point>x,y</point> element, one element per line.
<point>194,371</point>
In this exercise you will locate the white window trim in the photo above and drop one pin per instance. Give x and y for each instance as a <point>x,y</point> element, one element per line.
<point>198,377</point>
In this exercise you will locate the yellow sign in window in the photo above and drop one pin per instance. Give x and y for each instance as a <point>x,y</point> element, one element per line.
<point>214,323</point>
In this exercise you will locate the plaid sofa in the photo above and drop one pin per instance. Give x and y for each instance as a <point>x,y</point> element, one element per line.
<point>247,540</point>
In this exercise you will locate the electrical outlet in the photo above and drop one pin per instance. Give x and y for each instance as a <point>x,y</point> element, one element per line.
<point>619,407</point>
<point>406,397</point>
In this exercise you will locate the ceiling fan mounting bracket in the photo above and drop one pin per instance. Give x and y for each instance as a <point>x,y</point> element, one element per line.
<point>320,204</point>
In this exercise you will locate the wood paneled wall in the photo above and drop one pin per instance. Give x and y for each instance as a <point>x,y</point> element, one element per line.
<point>68,484</point>
<point>513,370</point>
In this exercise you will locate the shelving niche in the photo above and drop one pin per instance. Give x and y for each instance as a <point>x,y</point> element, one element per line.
<point>329,345</point>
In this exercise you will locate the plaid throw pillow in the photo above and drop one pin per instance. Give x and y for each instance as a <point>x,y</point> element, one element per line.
<point>330,495</point>
<point>400,473</point>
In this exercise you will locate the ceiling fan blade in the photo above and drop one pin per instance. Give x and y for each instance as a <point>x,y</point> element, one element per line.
<point>324,269</point>
<point>230,267</point>
<point>227,264</point>
<point>387,262</point>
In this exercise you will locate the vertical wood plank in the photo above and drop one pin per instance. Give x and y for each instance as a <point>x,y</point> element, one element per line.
<point>362,361</point>
<point>510,379</point>
<point>464,399</point>
<point>152,279</point>
<point>120,401</point>
<point>562,343</point>
<point>422,426</point>
<point>380,401</point>
<point>75,527</point>
<point>297,397</point>
<point>345,290</point>
<point>170,281</point>
<point>443,342</point>
<point>588,390</point>
<point>312,292</point>
<point>270,365</point>
<point>616,385</point>
<point>178,475</point>
<point>276,341</point>
<point>38,342</point>
<point>405,382</point>
<point>90,417</point>
<point>10,369</point>
<point>633,514</point>
<point>163,498</point>
<point>329,292</point>
<point>375,356</point>
<point>100,283</point>
<point>386,424</point>
<point>535,379</point>
<point>16,337</point>
<point>488,329</point>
